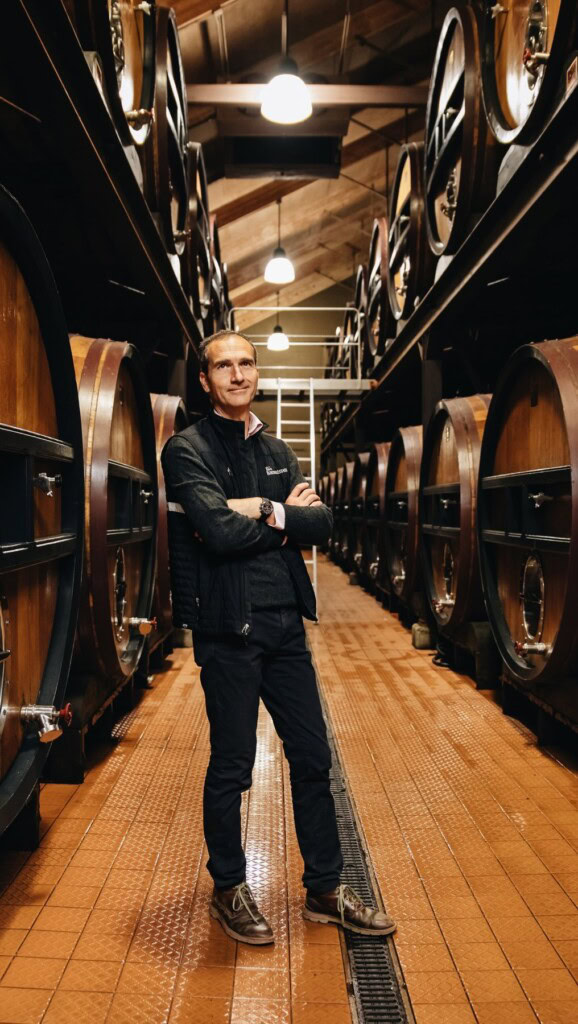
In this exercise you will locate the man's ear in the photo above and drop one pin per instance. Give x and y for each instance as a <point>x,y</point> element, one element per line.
<point>204,381</point>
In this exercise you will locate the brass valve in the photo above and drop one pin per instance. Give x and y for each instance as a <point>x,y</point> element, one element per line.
<point>143,626</point>
<point>523,649</point>
<point>46,483</point>
<point>139,118</point>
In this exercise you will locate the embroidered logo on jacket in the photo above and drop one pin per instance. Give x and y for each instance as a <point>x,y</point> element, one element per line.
<point>274,472</point>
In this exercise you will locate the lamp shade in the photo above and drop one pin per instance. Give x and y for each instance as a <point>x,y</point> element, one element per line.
<point>278,340</point>
<point>279,269</point>
<point>286,100</point>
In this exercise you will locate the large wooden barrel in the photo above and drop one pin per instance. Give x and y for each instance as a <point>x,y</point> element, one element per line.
<point>357,518</point>
<point>410,258</point>
<point>344,515</point>
<point>460,151</point>
<point>525,47</point>
<point>346,360</point>
<point>373,533</point>
<point>166,153</point>
<point>196,258</point>
<point>380,323</point>
<point>401,531</point>
<point>120,519</point>
<point>170,417</point>
<point>528,512</point>
<point>41,512</point>
<point>448,510</point>
<point>334,544</point>
<point>360,352</point>
<point>218,304</point>
<point>122,32</point>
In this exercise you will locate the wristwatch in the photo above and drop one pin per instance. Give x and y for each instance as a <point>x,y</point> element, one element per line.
<point>265,508</point>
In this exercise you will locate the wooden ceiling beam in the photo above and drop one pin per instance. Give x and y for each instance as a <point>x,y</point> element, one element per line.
<point>243,94</point>
<point>363,147</point>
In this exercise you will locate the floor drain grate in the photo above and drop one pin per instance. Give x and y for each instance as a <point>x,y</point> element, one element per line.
<point>375,985</point>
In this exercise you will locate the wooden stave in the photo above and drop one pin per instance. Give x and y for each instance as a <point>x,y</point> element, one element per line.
<point>357,517</point>
<point>98,668</point>
<point>93,26</point>
<point>558,362</point>
<point>374,554</point>
<point>166,152</point>
<point>564,40</point>
<point>21,763</point>
<point>378,308</point>
<point>406,444</point>
<point>170,417</point>
<point>478,153</point>
<point>467,417</point>
<point>417,248</point>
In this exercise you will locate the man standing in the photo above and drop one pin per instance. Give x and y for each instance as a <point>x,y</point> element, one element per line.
<point>239,507</point>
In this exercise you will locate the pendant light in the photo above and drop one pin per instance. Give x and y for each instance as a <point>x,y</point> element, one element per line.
<point>279,269</point>
<point>286,98</point>
<point>277,340</point>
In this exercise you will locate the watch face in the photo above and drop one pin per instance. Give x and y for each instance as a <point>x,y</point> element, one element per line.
<point>266,508</point>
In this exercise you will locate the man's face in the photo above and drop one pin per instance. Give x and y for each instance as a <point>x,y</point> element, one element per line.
<point>232,377</point>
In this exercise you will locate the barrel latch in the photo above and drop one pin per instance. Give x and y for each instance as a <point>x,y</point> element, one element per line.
<point>50,720</point>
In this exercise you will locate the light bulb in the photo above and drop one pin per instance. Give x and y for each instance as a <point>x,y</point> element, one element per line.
<point>279,269</point>
<point>286,100</point>
<point>278,340</point>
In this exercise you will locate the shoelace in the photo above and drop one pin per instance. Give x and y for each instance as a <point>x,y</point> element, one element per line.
<point>242,895</point>
<point>343,892</point>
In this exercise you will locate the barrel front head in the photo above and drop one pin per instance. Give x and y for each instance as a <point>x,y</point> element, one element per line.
<point>121,513</point>
<point>525,47</point>
<point>380,322</point>
<point>41,514</point>
<point>460,152</point>
<point>448,500</point>
<point>402,512</point>
<point>373,533</point>
<point>528,512</point>
<point>410,259</point>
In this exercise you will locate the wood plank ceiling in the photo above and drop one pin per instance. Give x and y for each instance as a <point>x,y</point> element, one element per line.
<point>326,223</point>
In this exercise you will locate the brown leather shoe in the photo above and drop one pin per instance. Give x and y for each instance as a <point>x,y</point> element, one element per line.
<point>240,916</point>
<point>343,906</point>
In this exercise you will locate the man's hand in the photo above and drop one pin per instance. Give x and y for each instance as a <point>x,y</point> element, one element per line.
<point>302,494</point>
<point>249,507</point>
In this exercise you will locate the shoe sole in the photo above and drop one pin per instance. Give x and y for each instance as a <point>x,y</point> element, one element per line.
<point>235,935</point>
<point>311,915</point>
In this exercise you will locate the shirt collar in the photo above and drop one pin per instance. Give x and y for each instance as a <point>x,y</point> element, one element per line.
<point>255,424</point>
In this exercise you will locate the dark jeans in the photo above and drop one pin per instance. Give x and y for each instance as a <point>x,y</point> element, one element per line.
<point>274,665</point>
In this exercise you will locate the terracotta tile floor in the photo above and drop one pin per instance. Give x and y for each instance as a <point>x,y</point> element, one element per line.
<point>472,830</point>
<point>107,921</point>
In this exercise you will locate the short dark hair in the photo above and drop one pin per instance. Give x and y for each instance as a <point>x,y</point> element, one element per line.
<point>225,333</point>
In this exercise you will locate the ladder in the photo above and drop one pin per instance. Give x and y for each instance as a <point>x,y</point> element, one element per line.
<point>300,437</point>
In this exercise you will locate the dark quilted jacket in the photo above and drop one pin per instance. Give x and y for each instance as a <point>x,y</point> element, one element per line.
<point>209,585</point>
